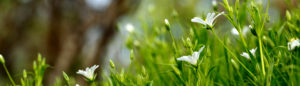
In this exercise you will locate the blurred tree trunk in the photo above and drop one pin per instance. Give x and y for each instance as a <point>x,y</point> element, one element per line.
<point>67,34</point>
<point>17,24</point>
<point>60,36</point>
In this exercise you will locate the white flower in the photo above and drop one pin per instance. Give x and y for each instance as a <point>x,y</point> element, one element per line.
<point>250,26</point>
<point>234,31</point>
<point>234,63</point>
<point>167,22</point>
<point>209,19</point>
<point>192,59</point>
<point>246,55</point>
<point>214,3</point>
<point>293,44</point>
<point>129,27</point>
<point>89,72</point>
<point>100,5</point>
<point>77,85</point>
<point>244,31</point>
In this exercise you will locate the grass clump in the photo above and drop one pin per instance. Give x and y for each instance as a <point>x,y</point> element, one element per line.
<point>255,52</point>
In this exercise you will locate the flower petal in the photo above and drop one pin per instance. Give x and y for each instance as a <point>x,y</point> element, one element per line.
<point>210,19</point>
<point>253,51</point>
<point>293,44</point>
<point>93,68</point>
<point>218,15</point>
<point>201,49</point>
<point>187,59</point>
<point>84,73</point>
<point>199,52</point>
<point>89,72</point>
<point>246,55</point>
<point>213,19</point>
<point>234,31</point>
<point>195,55</point>
<point>208,16</point>
<point>184,58</point>
<point>198,20</point>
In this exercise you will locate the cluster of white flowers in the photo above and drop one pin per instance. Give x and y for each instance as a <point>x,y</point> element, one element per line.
<point>192,59</point>
<point>89,72</point>
<point>293,43</point>
<point>246,55</point>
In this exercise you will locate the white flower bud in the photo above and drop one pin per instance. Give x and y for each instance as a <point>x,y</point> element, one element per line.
<point>2,59</point>
<point>129,28</point>
<point>167,22</point>
<point>214,3</point>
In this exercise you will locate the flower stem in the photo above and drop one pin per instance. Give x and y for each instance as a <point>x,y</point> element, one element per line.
<point>173,43</point>
<point>233,54</point>
<point>172,35</point>
<point>244,42</point>
<point>261,56</point>
<point>260,38</point>
<point>93,84</point>
<point>242,38</point>
<point>8,74</point>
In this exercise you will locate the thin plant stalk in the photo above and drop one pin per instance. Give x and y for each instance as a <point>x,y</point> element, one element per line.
<point>244,42</point>
<point>8,74</point>
<point>232,54</point>
<point>260,40</point>
<point>261,56</point>
<point>174,43</point>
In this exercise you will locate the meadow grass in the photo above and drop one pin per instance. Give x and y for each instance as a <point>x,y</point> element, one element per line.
<point>266,55</point>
